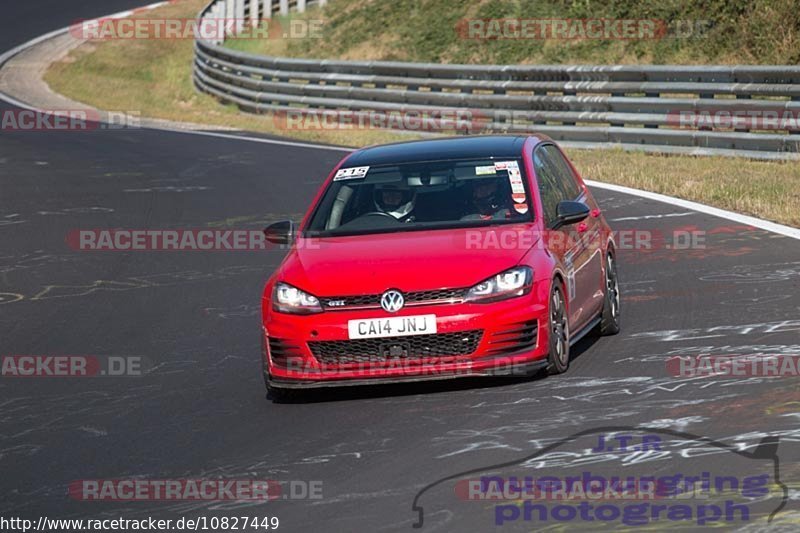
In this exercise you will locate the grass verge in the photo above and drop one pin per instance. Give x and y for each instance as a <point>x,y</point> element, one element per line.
<point>690,32</point>
<point>153,77</point>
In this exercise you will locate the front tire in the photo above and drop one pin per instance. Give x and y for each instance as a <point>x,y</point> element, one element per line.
<point>558,356</point>
<point>609,321</point>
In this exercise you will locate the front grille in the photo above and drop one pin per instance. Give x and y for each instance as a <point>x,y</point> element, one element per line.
<point>514,338</point>
<point>433,296</point>
<point>434,346</point>
<point>334,303</point>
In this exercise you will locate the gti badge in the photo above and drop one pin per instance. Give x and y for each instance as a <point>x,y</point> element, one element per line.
<point>392,301</point>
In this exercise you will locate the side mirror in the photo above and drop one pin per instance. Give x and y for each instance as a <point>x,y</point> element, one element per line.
<point>280,232</point>
<point>570,213</point>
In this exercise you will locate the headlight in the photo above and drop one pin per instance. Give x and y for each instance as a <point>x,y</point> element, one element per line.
<point>513,282</point>
<point>288,299</point>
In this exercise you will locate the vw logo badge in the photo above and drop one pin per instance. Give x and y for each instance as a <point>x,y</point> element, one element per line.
<point>392,301</point>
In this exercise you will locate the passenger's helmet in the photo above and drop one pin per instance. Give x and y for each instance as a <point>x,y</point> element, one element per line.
<point>395,199</point>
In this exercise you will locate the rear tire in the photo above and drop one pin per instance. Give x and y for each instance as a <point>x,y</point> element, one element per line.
<point>558,332</point>
<point>609,320</point>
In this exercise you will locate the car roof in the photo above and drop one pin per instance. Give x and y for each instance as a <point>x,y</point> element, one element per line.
<point>464,147</point>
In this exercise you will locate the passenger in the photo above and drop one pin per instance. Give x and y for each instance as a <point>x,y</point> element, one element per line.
<point>486,202</point>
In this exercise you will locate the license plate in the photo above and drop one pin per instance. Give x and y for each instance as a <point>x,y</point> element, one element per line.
<point>396,326</point>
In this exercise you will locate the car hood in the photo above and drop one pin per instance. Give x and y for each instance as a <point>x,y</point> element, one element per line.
<point>408,261</point>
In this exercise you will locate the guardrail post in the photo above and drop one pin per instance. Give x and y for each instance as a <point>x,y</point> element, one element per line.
<point>218,17</point>
<point>239,15</point>
<point>284,9</point>
<point>267,8</point>
<point>301,6</point>
<point>230,14</point>
<point>254,4</point>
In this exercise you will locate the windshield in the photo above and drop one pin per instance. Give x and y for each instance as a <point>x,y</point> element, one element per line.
<point>422,195</point>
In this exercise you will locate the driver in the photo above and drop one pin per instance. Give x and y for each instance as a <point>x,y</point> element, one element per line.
<point>486,201</point>
<point>396,200</point>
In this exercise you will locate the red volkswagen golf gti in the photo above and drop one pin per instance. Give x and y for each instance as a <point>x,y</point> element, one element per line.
<point>436,259</point>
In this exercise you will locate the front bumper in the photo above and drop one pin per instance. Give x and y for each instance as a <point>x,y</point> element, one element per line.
<point>520,369</point>
<point>513,342</point>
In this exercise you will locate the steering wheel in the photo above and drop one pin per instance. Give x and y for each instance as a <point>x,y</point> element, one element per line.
<point>381,213</point>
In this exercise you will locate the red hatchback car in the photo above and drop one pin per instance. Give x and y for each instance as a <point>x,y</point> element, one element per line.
<point>436,259</point>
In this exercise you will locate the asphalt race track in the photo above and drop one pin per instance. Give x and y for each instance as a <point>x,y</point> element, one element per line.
<point>201,412</point>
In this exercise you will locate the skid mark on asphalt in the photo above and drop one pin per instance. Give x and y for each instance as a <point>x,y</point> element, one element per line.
<point>523,432</point>
<point>11,220</point>
<point>94,431</point>
<point>32,260</point>
<point>527,436</point>
<point>239,311</point>
<point>171,188</point>
<point>77,210</point>
<point>149,281</point>
<point>687,243</point>
<point>672,335</point>
<point>677,403</point>
<point>616,202</point>
<point>10,297</point>
<point>668,254</point>
<point>728,349</point>
<point>710,291</point>
<point>763,273</point>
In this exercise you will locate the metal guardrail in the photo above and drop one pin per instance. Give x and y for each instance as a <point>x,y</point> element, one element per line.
<point>634,107</point>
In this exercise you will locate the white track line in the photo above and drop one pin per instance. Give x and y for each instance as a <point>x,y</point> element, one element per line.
<point>254,139</point>
<point>652,217</point>
<point>33,42</point>
<point>766,225</point>
<point>702,208</point>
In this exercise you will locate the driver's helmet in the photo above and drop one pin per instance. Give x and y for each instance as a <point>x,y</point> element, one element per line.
<point>395,199</point>
<point>485,194</point>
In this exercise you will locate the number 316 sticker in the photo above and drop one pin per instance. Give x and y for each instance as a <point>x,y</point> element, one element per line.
<point>351,173</point>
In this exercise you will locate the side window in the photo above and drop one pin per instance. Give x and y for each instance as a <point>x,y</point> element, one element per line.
<point>566,178</point>
<point>548,182</point>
